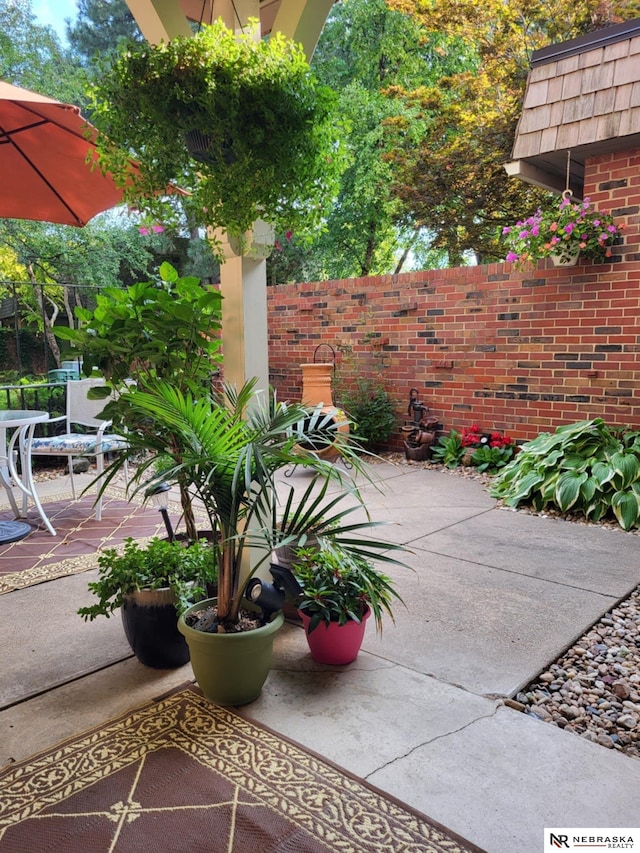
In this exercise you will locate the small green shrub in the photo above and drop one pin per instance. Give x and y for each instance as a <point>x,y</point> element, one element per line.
<point>372,409</point>
<point>159,564</point>
<point>584,467</point>
<point>491,458</point>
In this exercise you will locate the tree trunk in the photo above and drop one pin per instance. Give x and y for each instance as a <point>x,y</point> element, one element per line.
<point>47,321</point>
<point>405,254</point>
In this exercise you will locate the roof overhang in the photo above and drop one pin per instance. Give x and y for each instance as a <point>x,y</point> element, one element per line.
<point>542,141</point>
<point>300,20</point>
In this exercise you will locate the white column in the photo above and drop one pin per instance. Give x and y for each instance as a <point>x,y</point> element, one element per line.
<point>244,321</point>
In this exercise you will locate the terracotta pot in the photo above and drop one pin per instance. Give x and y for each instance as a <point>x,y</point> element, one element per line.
<point>316,391</point>
<point>333,643</point>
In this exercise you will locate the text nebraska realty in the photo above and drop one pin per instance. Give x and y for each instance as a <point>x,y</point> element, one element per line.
<point>611,841</point>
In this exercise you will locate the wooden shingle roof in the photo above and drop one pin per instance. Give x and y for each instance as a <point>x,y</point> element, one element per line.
<point>582,95</point>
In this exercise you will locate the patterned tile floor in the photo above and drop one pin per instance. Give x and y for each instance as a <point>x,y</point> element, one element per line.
<point>41,557</point>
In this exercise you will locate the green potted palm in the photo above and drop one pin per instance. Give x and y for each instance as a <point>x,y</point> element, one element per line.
<point>152,584</point>
<point>228,446</point>
<point>340,590</point>
<point>242,124</point>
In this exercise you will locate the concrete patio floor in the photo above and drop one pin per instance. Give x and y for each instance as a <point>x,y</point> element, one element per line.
<point>492,597</point>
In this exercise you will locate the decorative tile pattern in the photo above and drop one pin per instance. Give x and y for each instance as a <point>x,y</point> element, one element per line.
<point>183,774</point>
<point>41,557</point>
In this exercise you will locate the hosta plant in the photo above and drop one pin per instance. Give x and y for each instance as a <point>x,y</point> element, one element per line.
<point>491,458</point>
<point>584,468</point>
<point>449,450</point>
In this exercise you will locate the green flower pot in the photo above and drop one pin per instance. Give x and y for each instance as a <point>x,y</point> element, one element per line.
<point>230,668</point>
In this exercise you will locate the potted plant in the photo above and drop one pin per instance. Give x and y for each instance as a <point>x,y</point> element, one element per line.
<point>228,446</point>
<point>240,123</point>
<point>340,591</point>
<point>152,584</point>
<point>562,232</point>
<point>164,329</point>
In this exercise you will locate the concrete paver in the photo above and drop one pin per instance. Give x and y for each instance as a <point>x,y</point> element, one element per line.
<point>44,643</point>
<point>486,629</point>
<point>492,597</point>
<point>506,777</point>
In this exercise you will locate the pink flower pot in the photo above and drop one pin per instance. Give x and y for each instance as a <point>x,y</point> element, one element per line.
<point>335,644</point>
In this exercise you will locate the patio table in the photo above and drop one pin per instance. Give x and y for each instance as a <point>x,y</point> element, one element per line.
<point>23,422</point>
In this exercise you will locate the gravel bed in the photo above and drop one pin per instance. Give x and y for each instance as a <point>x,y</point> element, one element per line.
<point>593,689</point>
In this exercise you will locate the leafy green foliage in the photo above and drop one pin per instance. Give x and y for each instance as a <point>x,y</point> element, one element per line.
<point>365,48</point>
<point>449,450</point>
<point>271,140</point>
<point>372,409</point>
<point>452,181</point>
<point>491,459</point>
<point>185,568</point>
<point>584,468</point>
<point>100,26</point>
<point>317,517</point>
<point>32,56</point>
<point>225,448</point>
<point>338,586</point>
<point>150,330</point>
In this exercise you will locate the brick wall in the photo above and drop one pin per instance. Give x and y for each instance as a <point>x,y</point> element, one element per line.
<point>521,352</point>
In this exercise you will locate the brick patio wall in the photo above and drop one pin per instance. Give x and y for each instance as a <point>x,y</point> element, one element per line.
<point>520,352</point>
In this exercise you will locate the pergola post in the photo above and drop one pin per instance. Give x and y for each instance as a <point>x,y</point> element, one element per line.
<point>243,279</point>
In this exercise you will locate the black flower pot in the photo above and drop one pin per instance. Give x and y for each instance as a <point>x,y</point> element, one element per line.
<point>198,145</point>
<point>150,622</point>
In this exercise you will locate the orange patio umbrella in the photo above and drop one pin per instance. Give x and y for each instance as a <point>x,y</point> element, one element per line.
<point>43,161</point>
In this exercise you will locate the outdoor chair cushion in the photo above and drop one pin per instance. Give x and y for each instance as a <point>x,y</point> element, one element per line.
<point>77,444</point>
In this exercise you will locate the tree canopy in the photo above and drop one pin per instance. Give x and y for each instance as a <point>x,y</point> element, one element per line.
<point>365,48</point>
<point>32,56</point>
<point>50,268</point>
<point>101,26</point>
<point>429,96</point>
<point>452,181</point>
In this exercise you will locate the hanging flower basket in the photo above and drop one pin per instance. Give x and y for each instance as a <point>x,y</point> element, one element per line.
<point>564,232</point>
<point>240,123</point>
<point>565,261</point>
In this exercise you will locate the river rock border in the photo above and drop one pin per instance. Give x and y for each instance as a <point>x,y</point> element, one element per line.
<point>594,688</point>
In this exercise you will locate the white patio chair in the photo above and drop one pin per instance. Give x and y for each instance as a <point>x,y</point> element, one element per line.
<point>81,411</point>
